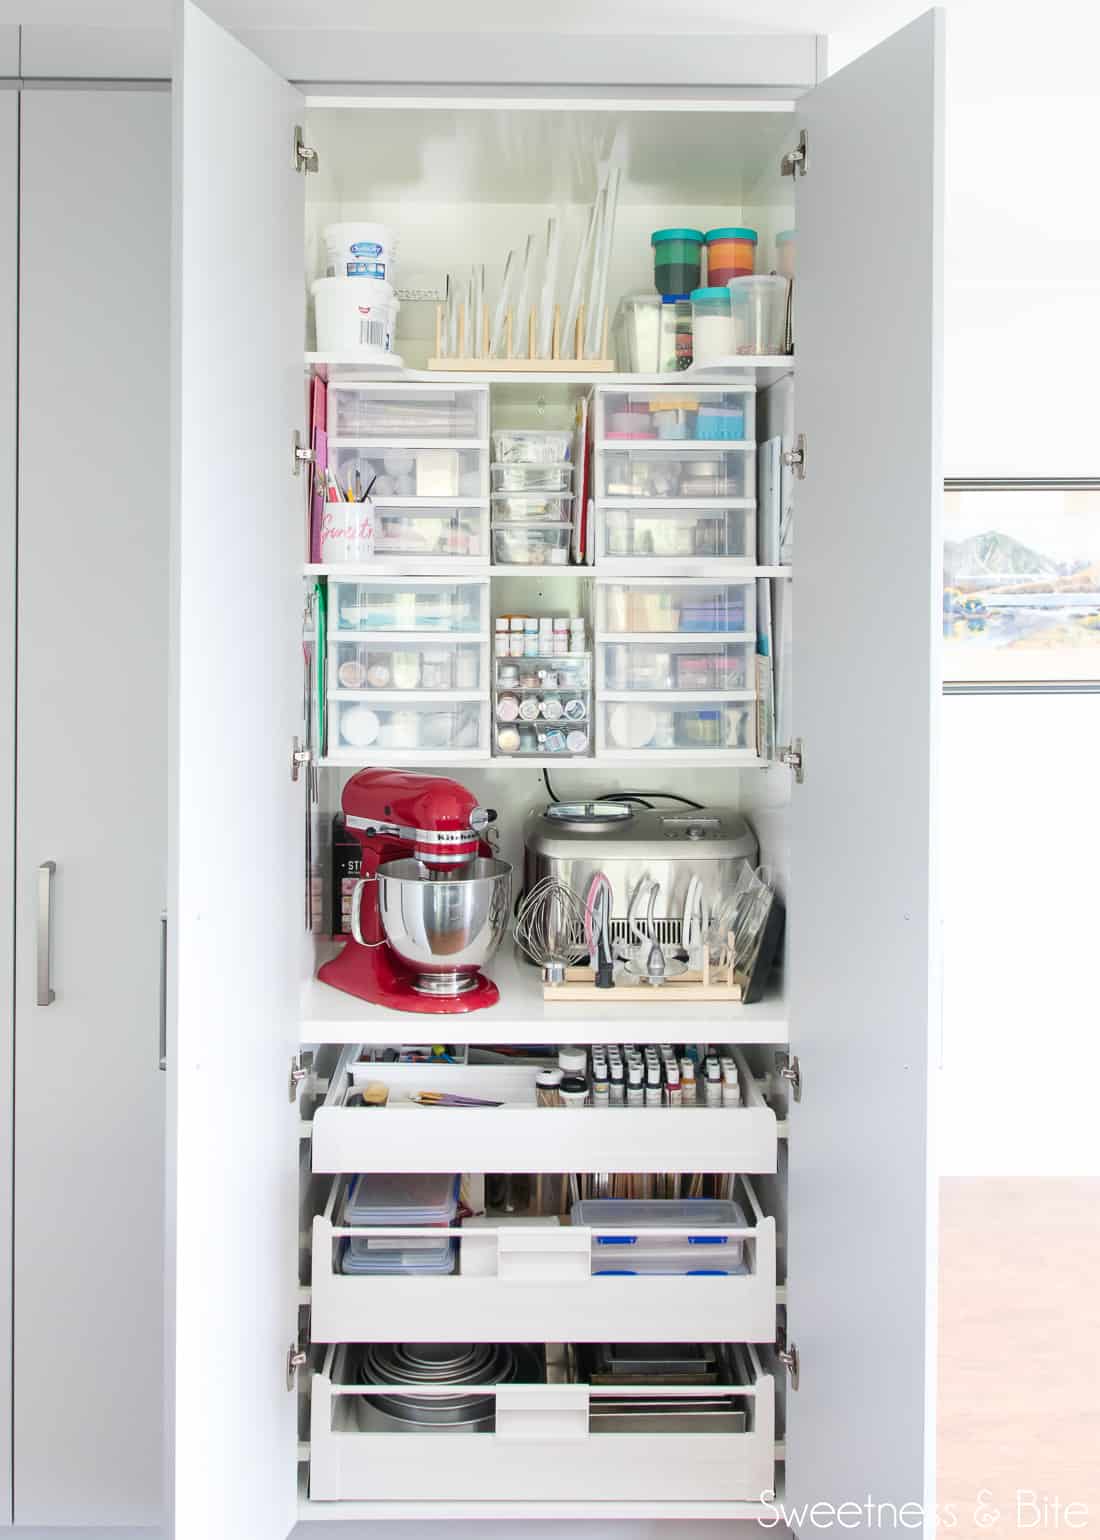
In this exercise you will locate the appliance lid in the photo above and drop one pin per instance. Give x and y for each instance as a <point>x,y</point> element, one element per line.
<point>588,814</point>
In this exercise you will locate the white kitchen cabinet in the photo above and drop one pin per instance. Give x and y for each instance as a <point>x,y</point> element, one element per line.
<point>93,771</point>
<point>848,824</point>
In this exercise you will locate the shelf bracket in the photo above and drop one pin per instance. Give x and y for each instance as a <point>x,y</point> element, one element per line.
<point>795,160</point>
<point>301,1067</point>
<point>299,756</point>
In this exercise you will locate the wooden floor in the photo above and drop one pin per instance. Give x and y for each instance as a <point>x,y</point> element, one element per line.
<point>1019,1377</point>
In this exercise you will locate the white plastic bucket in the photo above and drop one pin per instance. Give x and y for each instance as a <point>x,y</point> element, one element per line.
<point>359,251</point>
<point>355,313</point>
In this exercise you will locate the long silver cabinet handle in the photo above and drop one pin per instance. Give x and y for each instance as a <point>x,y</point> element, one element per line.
<point>44,994</point>
<point>162,1042</point>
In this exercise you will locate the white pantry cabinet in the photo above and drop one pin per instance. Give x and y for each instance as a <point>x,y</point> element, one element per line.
<point>851,835</point>
<point>93,777</point>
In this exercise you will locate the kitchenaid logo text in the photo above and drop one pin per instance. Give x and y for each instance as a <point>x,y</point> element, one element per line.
<point>1023,1511</point>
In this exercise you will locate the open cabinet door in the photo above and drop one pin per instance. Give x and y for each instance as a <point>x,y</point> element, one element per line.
<point>866,685</point>
<point>236,924</point>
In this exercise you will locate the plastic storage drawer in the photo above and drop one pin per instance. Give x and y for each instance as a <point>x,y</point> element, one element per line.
<point>398,472</point>
<point>515,476</point>
<point>413,413</point>
<point>681,727</point>
<point>407,605</point>
<point>684,607</point>
<point>633,539</point>
<point>679,474</point>
<point>677,666</point>
<point>443,663</point>
<point>359,730</point>
<point>531,545</point>
<point>431,539</point>
<point>544,1447</point>
<point>543,1281</point>
<point>401,1136</point>
<point>668,414</point>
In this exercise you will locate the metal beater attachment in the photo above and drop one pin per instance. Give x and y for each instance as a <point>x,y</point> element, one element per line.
<point>549,928</point>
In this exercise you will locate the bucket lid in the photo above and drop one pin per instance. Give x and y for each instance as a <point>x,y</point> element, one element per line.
<point>715,292</point>
<point>732,233</point>
<point>675,299</point>
<point>676,235</point>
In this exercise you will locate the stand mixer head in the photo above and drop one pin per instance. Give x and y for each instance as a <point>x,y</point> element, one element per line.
<point>433,902</point>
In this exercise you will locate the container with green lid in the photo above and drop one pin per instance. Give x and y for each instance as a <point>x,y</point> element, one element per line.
<point>677,260</point>
<point>731,253</point>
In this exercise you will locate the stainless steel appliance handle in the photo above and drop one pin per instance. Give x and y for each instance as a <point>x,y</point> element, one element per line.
<point>44,994</point>
<point>162,1038</point>
<point>356,895</point>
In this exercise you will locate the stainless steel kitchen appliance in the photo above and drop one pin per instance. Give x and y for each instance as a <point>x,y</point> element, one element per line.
<point>572,841</point>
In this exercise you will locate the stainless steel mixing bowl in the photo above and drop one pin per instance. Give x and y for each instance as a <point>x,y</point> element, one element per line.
<point>444,925</point>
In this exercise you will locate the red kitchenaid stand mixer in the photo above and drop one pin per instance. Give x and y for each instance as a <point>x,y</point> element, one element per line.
<point>434,828</point>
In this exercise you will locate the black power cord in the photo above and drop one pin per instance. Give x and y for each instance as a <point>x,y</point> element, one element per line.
<point>627,796</point>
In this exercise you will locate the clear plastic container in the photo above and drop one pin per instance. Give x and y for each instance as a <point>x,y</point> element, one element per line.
<point>688,474</point>
<point>731,253</point>
<point>432,534</point>
<point>413,727</point>
<point>785,245</point>
<point>677,666</point>
<point>441,664</point>
<point>670,413</point>
<point>532,545</point>
<point>533,446</point>
<point>407,604</point>
<point>677,607</point>
<point>661,534</point>
<point>758,306</point>
<point>682,726</point>
<point>519,740</point>
<point>546,507</point>
<point>712,326</point>
<point>394,472</point>
<point>676,344</point>
<point>636,334</point>
<point>519,477</point>
<point>407,412</point>
<point>696,1214</point>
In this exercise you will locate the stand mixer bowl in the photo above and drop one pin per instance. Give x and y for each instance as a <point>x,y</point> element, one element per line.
<point>444,925</point>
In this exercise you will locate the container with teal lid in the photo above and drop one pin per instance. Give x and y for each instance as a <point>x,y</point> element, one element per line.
<point>784,252</point>
<point>731,253</point>
<point>677,260</point>
<point>711,324</point>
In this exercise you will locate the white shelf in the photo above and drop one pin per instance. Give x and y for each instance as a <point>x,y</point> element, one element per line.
<point>381,444</point>
<point>522,1016</point>
<point>414,566</point>
<point>639,759</point>
<point>348,366</point>
<point>676,444</point>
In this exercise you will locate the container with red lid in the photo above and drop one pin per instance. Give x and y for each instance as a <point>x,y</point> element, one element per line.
<point>731,253</point>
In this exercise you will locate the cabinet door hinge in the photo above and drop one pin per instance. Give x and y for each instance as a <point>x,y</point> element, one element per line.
<point>295,1360</point>
<point>305,158</point>
<point>299,756</point>
<point>301,1067</point>
<point>789,1069</point>
<point>796,457</point>
<point>794,757</point>
<point>302,454</point>
<point>795,160</point>
<point>787,1354</point>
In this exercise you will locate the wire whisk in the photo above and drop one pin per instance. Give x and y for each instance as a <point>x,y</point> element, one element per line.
<point>549,928</point>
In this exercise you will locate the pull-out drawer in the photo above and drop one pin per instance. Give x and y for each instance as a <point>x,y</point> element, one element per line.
<point>404,414</point>
<point>521,1136</point>
<point>546,1444</point>
<point>571,1283</point>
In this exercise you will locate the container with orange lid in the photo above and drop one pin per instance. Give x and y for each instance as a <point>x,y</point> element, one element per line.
<point>731,253</point>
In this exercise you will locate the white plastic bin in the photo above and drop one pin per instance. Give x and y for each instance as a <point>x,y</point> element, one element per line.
<point>398,473</point>
<point>677,666</point>
<point>359,730</point>
<point>386,604</point>
<point>408,665</point>
<point>677,608</point>
<point>727,471</point>
<point>684,727</point>
<point>407,413</point>
<point>637,538</point>
<point>531,544</point>
<point>659,414</point>
<point>355,314</point>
